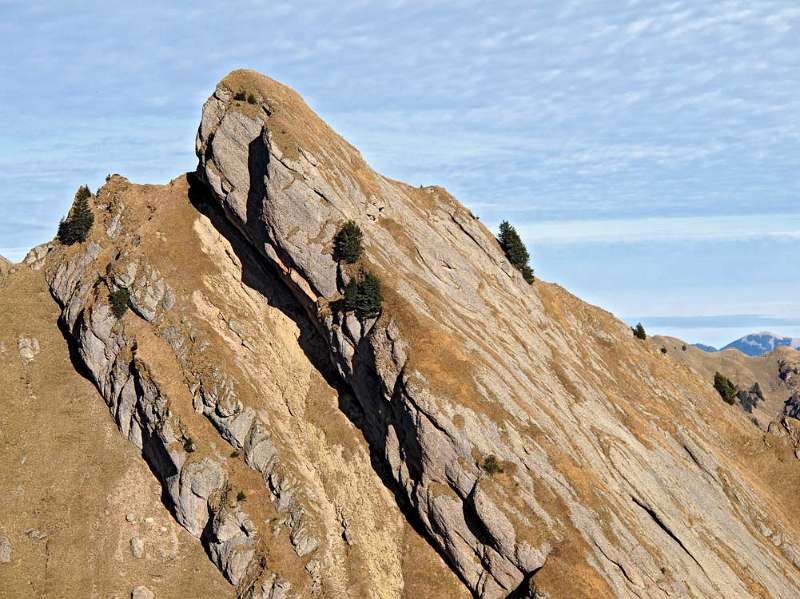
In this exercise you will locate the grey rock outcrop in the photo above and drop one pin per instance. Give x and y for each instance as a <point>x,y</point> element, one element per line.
<point>789,373</point>
<point>5,266</point>
<point>28,347</point>
<point>142,592</point>
<point>137,547</point>
<point>195,484</point>
<point>216,398</point>
<point>35,257</point>
<point>792,406</point>
<point>149,294</point>
<point>35,534</point>
<point>467,360</point>
<point>5,550</point>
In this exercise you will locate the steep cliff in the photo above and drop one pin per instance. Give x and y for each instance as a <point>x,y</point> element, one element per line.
<point>616,461</point>
<point>481,435</point>
<point>209,374</point>
<point>81,513</point>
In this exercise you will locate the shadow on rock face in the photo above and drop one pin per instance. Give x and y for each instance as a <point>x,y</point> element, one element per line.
<point>257,161</point>
<point>72,348</point>
<point>261,276</point>
<point>153,452</point>
<point>263,279</point>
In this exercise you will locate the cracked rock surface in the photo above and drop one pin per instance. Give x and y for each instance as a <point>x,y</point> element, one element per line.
<point>589,425</point>
<point>480,437</point>
<point>212,374</point>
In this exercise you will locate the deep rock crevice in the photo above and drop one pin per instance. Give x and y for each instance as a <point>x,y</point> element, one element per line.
<point>371,419</point>
<point>667,530</point>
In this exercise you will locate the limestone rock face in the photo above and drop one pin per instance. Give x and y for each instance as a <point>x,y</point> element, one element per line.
<point>616,465</point>
<point>68,479</point>
<point>208,376</point>
<point>5,266</point>
<point>35,257</point>
<point>480,437</point>
<point>196,484</point>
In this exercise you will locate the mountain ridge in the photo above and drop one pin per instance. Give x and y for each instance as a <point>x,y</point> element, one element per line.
<point>768,370</point>
<point>299,443</point>
<point>283,205</point>
<point>755,344</point>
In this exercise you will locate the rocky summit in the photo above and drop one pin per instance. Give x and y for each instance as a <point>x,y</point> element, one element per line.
<point>472,436</point>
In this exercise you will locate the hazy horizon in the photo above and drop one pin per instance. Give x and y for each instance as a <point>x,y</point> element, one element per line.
<point>648,153</point>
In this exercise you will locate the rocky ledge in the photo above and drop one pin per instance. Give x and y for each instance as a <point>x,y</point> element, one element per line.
<point>196,485</point>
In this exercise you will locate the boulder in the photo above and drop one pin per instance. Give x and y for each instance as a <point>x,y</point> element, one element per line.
<point>137,547</point>
<point>28,348</point>
<point>5,550</point>
<point>142,592</point>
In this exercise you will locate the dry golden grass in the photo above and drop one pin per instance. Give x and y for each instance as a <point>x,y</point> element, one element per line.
<point>206,275</point>
<point>51,416</point>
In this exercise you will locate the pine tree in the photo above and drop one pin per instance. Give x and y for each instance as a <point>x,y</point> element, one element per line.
<point>362,295</point>
<point>75,228</point>
<point>725,388</point>
<point>639,332</point>
<point>66,233</point>
<point>83,193</point>
<point>82,218</point>
<point>119,301</point>
<point>515,250</point>
<point>347,243</point>
<point>368,299</point>
<point>491,465</point>
<point>350,295</point>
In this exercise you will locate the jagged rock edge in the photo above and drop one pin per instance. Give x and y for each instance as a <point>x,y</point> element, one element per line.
<point>141,413</point>
<point>507,572</point>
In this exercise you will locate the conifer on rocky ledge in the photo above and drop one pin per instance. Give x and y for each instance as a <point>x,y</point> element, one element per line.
<point>75,228</point>
<point>515,250</point>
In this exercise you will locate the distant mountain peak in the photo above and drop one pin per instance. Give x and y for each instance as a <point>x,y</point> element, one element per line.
<point>756,344</point>
<point>705,348</point>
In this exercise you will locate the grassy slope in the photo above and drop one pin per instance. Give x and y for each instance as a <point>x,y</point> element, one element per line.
<point>68,473</point>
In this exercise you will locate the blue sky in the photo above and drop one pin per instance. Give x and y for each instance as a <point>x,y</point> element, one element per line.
<point>648,151</point>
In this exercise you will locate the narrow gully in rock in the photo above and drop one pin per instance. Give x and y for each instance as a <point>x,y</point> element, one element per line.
<point>312,345</point>
<point>662,525</point>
